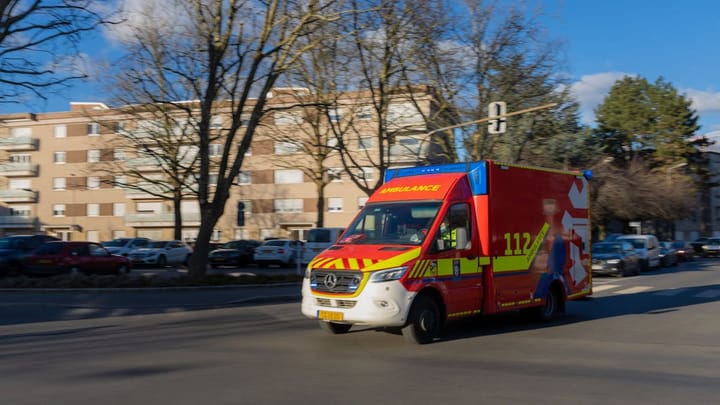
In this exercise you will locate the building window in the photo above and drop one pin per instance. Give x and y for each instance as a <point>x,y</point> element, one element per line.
<point>244,178</point>
<point>365,173</point>
<point>93,128</point>
<point>365,143</point>
<point>21,132</point>
<point>334,114</point>
<point>93,155</point>
<point>215,149</point>
<point>362,201</point>
<point>335,204</point>
<point>288,205</point>
<point>119,181</point>
<point>216,122</point>
<point>58,210</point>
<point>119,155</point>
<point>287,117</point>
<point>93,210</point>
<point>119,127</point>
<point>332,142</point>
<point>20,158</point>
<point>335,174</point>
<point>118,209</point>
<point>406,113</point>
<point>364,113</point>
<point>60,131</point>
<point>93,236</point>
<point>288,176</point>
<point>118,234</point>
<point>287,148</point>
<point>20,211</point>
<point>59,183</point>
<point>58,157</point>
<point>93,182</point>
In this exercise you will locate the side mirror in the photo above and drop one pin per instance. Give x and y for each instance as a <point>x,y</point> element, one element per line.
<point>461,239</point>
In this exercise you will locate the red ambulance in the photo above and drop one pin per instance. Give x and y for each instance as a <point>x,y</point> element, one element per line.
<point>438,243</point>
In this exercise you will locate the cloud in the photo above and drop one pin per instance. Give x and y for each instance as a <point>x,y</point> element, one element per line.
<point>163,16</point>
<point>591,90</point>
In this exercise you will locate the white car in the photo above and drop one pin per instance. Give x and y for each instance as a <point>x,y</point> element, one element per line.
<point>162,253</point>
<point>278,251</point>
<point>123,246</point>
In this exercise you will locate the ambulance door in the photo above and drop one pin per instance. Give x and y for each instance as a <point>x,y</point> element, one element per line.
<point>454,256</point>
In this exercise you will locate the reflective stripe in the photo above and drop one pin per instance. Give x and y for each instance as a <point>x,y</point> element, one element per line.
<point>503,264</point>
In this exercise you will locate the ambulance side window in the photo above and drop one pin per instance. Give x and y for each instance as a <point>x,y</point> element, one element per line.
<point>455,231</point>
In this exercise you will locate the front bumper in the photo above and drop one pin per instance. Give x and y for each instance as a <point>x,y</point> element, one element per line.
<point>384,304</point>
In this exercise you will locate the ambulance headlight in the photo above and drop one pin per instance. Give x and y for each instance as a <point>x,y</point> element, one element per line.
<point>388,275</point>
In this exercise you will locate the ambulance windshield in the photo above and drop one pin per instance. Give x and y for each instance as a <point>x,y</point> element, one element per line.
<point>403,223</point>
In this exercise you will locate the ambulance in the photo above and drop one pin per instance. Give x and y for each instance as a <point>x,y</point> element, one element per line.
<point>438,243</point>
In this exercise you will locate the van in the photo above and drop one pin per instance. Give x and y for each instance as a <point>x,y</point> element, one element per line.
<point>319,239</point>
<point>648,248</point>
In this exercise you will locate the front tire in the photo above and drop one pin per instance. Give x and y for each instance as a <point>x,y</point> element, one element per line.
<point>335,328</point>
<point>423,323</point>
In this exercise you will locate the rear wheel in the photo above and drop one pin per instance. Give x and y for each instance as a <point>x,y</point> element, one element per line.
<point>424,321</point>
<point>621,270</point>
<point>123,269</point>
<point>335,328</point>
<point>549,310</point>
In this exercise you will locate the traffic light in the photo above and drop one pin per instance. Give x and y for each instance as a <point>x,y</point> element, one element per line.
<point>241,214</point>
<point>497,123</point>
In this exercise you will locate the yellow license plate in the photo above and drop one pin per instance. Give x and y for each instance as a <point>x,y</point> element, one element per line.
<point>330,315</point>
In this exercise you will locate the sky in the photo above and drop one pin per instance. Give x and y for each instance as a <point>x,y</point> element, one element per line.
<point>603,41</point>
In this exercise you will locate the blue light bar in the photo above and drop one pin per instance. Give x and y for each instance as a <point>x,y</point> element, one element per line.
<point>476,171</point>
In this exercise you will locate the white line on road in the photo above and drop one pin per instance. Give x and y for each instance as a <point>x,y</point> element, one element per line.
<point>633,290</point>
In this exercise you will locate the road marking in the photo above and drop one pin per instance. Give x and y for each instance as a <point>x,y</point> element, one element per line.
<point>633,290</point>
<point>599,288</point>
<point>708,294</point>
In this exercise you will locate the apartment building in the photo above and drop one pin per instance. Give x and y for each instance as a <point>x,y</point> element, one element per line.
<point>69,174</point>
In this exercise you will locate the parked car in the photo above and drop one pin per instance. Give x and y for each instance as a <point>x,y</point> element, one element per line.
<point>236,253</point>
<point>277,251</point>
<point>319,239</point>
<point>711,247</point>
<point>14,249</point>
<point>617,258</point>
<point>685,251</point>
<point>697,244</point>
<point>123,246</point>
<point>647,247</point>
<point>668,255</point>
<point>74,257</point>
<point>162,253</point>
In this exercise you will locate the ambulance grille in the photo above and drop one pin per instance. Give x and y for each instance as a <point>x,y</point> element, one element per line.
<point>332,303</point>
<point>333,281</point>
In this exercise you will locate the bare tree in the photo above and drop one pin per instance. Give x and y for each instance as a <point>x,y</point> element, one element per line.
<point>226,55</point>
<point>39,45</point>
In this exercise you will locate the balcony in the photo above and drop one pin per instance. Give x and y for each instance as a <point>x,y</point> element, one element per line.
<point>23,169</point>
<point>19,143</point>
<point>161,219</point>
<point>149,191</point>
<point>143,164</point>
<point>17,222</point>
<point>25,196</point>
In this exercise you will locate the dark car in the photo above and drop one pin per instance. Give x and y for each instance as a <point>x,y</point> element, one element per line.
<point>74,257</point>
<point>668,255</point>
<point>615,258</point>
<point>14,249</point>
<point>697,244</point>
<point>236,253</point>
<point>685,251</point>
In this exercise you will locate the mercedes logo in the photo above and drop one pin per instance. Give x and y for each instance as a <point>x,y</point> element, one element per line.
<point>330,281</point>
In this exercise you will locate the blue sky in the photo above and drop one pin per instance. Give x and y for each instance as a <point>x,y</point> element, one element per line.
<point>604,40</point>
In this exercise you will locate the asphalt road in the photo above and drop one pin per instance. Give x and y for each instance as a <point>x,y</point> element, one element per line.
<point>651,339</point>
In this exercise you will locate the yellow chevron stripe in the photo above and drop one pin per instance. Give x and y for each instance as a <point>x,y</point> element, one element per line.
<point>396,261</point>
<point>514,263</point>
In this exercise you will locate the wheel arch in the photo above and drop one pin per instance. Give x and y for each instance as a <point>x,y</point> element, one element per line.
<point>436,296</point>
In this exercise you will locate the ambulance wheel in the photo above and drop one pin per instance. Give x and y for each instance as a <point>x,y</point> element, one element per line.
<point>335,328</point>
<point>423,323</point>
<point>548,311</point>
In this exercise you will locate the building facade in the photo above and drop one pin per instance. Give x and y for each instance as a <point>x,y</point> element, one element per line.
<point>69,174</point>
